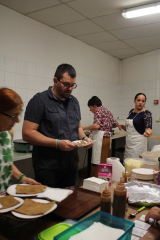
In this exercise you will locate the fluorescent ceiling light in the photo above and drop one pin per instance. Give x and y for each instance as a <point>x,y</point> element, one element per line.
<point>141,10</point>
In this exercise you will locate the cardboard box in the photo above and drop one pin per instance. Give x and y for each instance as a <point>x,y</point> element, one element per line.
<point>105,172</point>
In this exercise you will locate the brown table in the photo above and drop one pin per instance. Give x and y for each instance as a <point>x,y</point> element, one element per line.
<point>12,228</point>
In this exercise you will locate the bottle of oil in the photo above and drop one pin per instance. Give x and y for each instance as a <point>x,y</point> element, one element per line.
<point>119,200</point>
<point>106,200</point>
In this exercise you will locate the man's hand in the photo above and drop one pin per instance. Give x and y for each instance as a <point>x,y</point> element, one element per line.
<point>66,145</point>
<point>153,213</point>
<point>89,140</point>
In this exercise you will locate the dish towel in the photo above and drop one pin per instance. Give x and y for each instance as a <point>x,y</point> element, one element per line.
<point>56,194</point>
<point>98,231</point>
<point>96,148</point>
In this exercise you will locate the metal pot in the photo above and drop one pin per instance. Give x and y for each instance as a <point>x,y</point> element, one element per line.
<point>22,146</point>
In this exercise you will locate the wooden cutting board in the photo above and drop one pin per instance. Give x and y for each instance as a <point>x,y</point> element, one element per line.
<point>80,202</point>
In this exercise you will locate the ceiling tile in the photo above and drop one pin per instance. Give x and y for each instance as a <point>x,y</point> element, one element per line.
<point>116,21</point>
<point>122,51</point>
<point>97,37</point>
<point>110,45</point>
<point>147,48</point>
<point>123,56</point>
<point>95,8</point>
<point>27,6</point>
<point>79,28</point>
<point>147,41</point>
<point>57,15</point>
<point>137,32</point>
<point>87,20</point>
<point>64,1</point>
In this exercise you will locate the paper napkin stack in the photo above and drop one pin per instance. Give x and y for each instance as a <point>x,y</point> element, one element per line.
<point>95,184</point>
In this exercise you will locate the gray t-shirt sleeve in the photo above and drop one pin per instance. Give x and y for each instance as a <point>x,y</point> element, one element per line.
<point>34,110</point>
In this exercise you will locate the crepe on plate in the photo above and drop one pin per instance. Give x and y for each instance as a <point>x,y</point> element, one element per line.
<point>8,201</point>
<point>81,143</point>
<point>30,207</point>
<point>30,189</point>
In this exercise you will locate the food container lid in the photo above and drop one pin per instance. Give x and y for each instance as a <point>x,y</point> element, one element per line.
<point>20,141</point>
<point>135,160</point>
<point>51,232</point>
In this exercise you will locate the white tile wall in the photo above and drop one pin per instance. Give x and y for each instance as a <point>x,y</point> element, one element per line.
<point>21,67</point>
<point>142,74</point>
<point>1,63</point>
<point>28,78</point>
<point>10,64</point>
<point>1,78</point>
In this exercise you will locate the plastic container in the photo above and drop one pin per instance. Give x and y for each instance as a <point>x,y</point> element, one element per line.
<point>119,199</point>
<point>50,233</point>
<point>151,158</point>
<point>134,163</point>
<point>104,218</point>
<point>126,177</point>
<point>117,168</point>
<point>106,201</point>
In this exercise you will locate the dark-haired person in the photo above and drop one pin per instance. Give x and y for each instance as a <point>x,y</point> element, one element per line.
<point>138,126</point>
<point>103,121</point>
<point>10,110</point>
<point>51,124</point>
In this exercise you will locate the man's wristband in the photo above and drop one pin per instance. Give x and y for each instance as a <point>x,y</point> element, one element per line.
<point>58,143</point>
<point>83,138</point>
<point>20,178</point>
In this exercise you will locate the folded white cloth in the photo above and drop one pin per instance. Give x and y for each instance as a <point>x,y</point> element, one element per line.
<point>56,194</point>
<point>95,184</point>
<point>98,231</point>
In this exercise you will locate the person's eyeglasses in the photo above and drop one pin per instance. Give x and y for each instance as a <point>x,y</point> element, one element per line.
<point>17,115</point>
<point>67,85</point>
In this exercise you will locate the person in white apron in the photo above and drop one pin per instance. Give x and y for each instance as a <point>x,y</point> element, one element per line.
<point>101,127</point>
<point>138,127</point>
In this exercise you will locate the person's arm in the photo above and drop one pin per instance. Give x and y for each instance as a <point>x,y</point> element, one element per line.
<point>154,213</point>
<point>17,174</point>
<point>121,126</point>
<point>148,124</point>
<point>148,132</point>
<point>31,135</point>
<point>84,137</point>
<point>91,127</point>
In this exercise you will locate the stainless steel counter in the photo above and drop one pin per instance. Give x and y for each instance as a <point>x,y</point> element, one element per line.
<point>119,135</point>
<point>20,156</point>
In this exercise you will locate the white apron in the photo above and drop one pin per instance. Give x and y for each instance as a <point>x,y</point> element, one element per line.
<point>136,143</point>
<point>96,148</point>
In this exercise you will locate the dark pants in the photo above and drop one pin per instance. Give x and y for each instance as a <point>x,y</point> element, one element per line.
<point>57,179</point>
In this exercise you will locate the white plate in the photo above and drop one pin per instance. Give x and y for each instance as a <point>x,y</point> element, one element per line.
<point>143,173</point>
<point>87,144</point>
<point>12,191</point>
<point>19,215</point>
<point>15,206</point>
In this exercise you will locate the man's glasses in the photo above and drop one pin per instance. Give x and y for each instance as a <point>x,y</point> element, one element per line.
<point>67,85</point>
<point>17,115</point>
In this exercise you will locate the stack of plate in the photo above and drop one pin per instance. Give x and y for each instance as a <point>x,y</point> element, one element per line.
<point>143,173</point>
